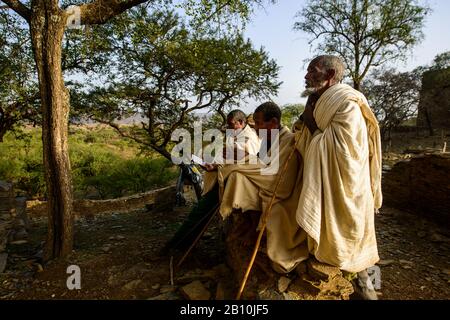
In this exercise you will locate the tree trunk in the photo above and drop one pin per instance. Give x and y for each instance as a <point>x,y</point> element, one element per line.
<point>357,85</point>
<point>47,29</point>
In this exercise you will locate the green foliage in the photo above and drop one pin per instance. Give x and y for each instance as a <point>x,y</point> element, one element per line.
<point>441,61</point>
<point>164,72</point>
<point>220,15</point>
<point>21,162</point>
<point>19,97</point>
<point>117,178</point>
<point>103,164</point>
<point>364,33</point>
<point>291,113</point>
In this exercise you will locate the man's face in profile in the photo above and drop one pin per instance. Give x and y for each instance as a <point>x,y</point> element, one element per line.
<point>315,79</point>
<point>258,117</point>
<point>234,124</point>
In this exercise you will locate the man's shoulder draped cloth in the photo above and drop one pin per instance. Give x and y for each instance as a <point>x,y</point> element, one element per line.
<point>248,140</point>
<point>341,180</point>
<point>249,187</point>
<point>327,107</point>
<point>260,174</point>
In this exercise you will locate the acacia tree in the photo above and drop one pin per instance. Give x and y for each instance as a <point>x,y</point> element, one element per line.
<point>364,33</point>
<point>394,97</point>
<point>19,89</point>
<point>165,72</point>
<point>19,94</point>
<point>47,22</point>
<point>441,61</point>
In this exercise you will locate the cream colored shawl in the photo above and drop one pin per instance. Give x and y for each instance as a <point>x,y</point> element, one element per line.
<point>244,187</point>
<point>249,188</point>
<point>248,140</point>
<point>341,180</point>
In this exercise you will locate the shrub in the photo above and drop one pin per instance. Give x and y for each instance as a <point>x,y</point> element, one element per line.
<point>101,161</point>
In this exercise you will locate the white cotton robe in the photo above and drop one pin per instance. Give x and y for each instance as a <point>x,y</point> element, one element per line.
<point>341,180</point>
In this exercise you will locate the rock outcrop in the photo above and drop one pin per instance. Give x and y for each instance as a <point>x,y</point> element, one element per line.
<point>420,185</point>
<point>434,106</point>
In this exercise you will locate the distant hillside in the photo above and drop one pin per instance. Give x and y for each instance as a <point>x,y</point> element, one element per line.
<point>136,119</point>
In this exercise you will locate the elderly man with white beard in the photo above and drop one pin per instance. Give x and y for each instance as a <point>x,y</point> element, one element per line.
<point>339,141</point>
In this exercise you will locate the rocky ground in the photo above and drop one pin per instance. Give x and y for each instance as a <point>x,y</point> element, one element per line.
<point>117,257</point>
<point>415,257</point>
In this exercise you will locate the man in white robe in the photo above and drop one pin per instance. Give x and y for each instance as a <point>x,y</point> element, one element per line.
<point>339,141</point>
<point>242,140</point>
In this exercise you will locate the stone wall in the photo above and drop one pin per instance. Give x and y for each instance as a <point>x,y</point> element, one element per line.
<point>434,103</point>
<point>156,198</point>
<point>420,184</point>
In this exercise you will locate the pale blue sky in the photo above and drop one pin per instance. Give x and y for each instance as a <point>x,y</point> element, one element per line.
<point>271,28</point>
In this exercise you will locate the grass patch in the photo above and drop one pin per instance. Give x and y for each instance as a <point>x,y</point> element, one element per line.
<point>104,165</point>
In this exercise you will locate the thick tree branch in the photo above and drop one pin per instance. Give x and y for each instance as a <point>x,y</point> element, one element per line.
<point>20,8</point>
<point>100,11</point>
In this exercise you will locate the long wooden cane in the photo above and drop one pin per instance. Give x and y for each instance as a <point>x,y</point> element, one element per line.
<point>261,232</point>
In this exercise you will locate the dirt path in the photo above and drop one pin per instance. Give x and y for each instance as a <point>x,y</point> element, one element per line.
<point>117,257</point>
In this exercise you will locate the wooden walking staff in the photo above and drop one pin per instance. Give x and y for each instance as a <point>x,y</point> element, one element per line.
<point>261,232</point>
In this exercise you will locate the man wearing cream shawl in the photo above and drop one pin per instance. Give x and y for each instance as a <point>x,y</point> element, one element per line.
<point>242,141</point>
<point>249,188</point>
<point>339,141</point>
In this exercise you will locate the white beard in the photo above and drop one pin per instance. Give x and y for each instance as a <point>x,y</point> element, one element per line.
<point>308,91</point>
<point>232,133</point>
<point>312,90</point>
